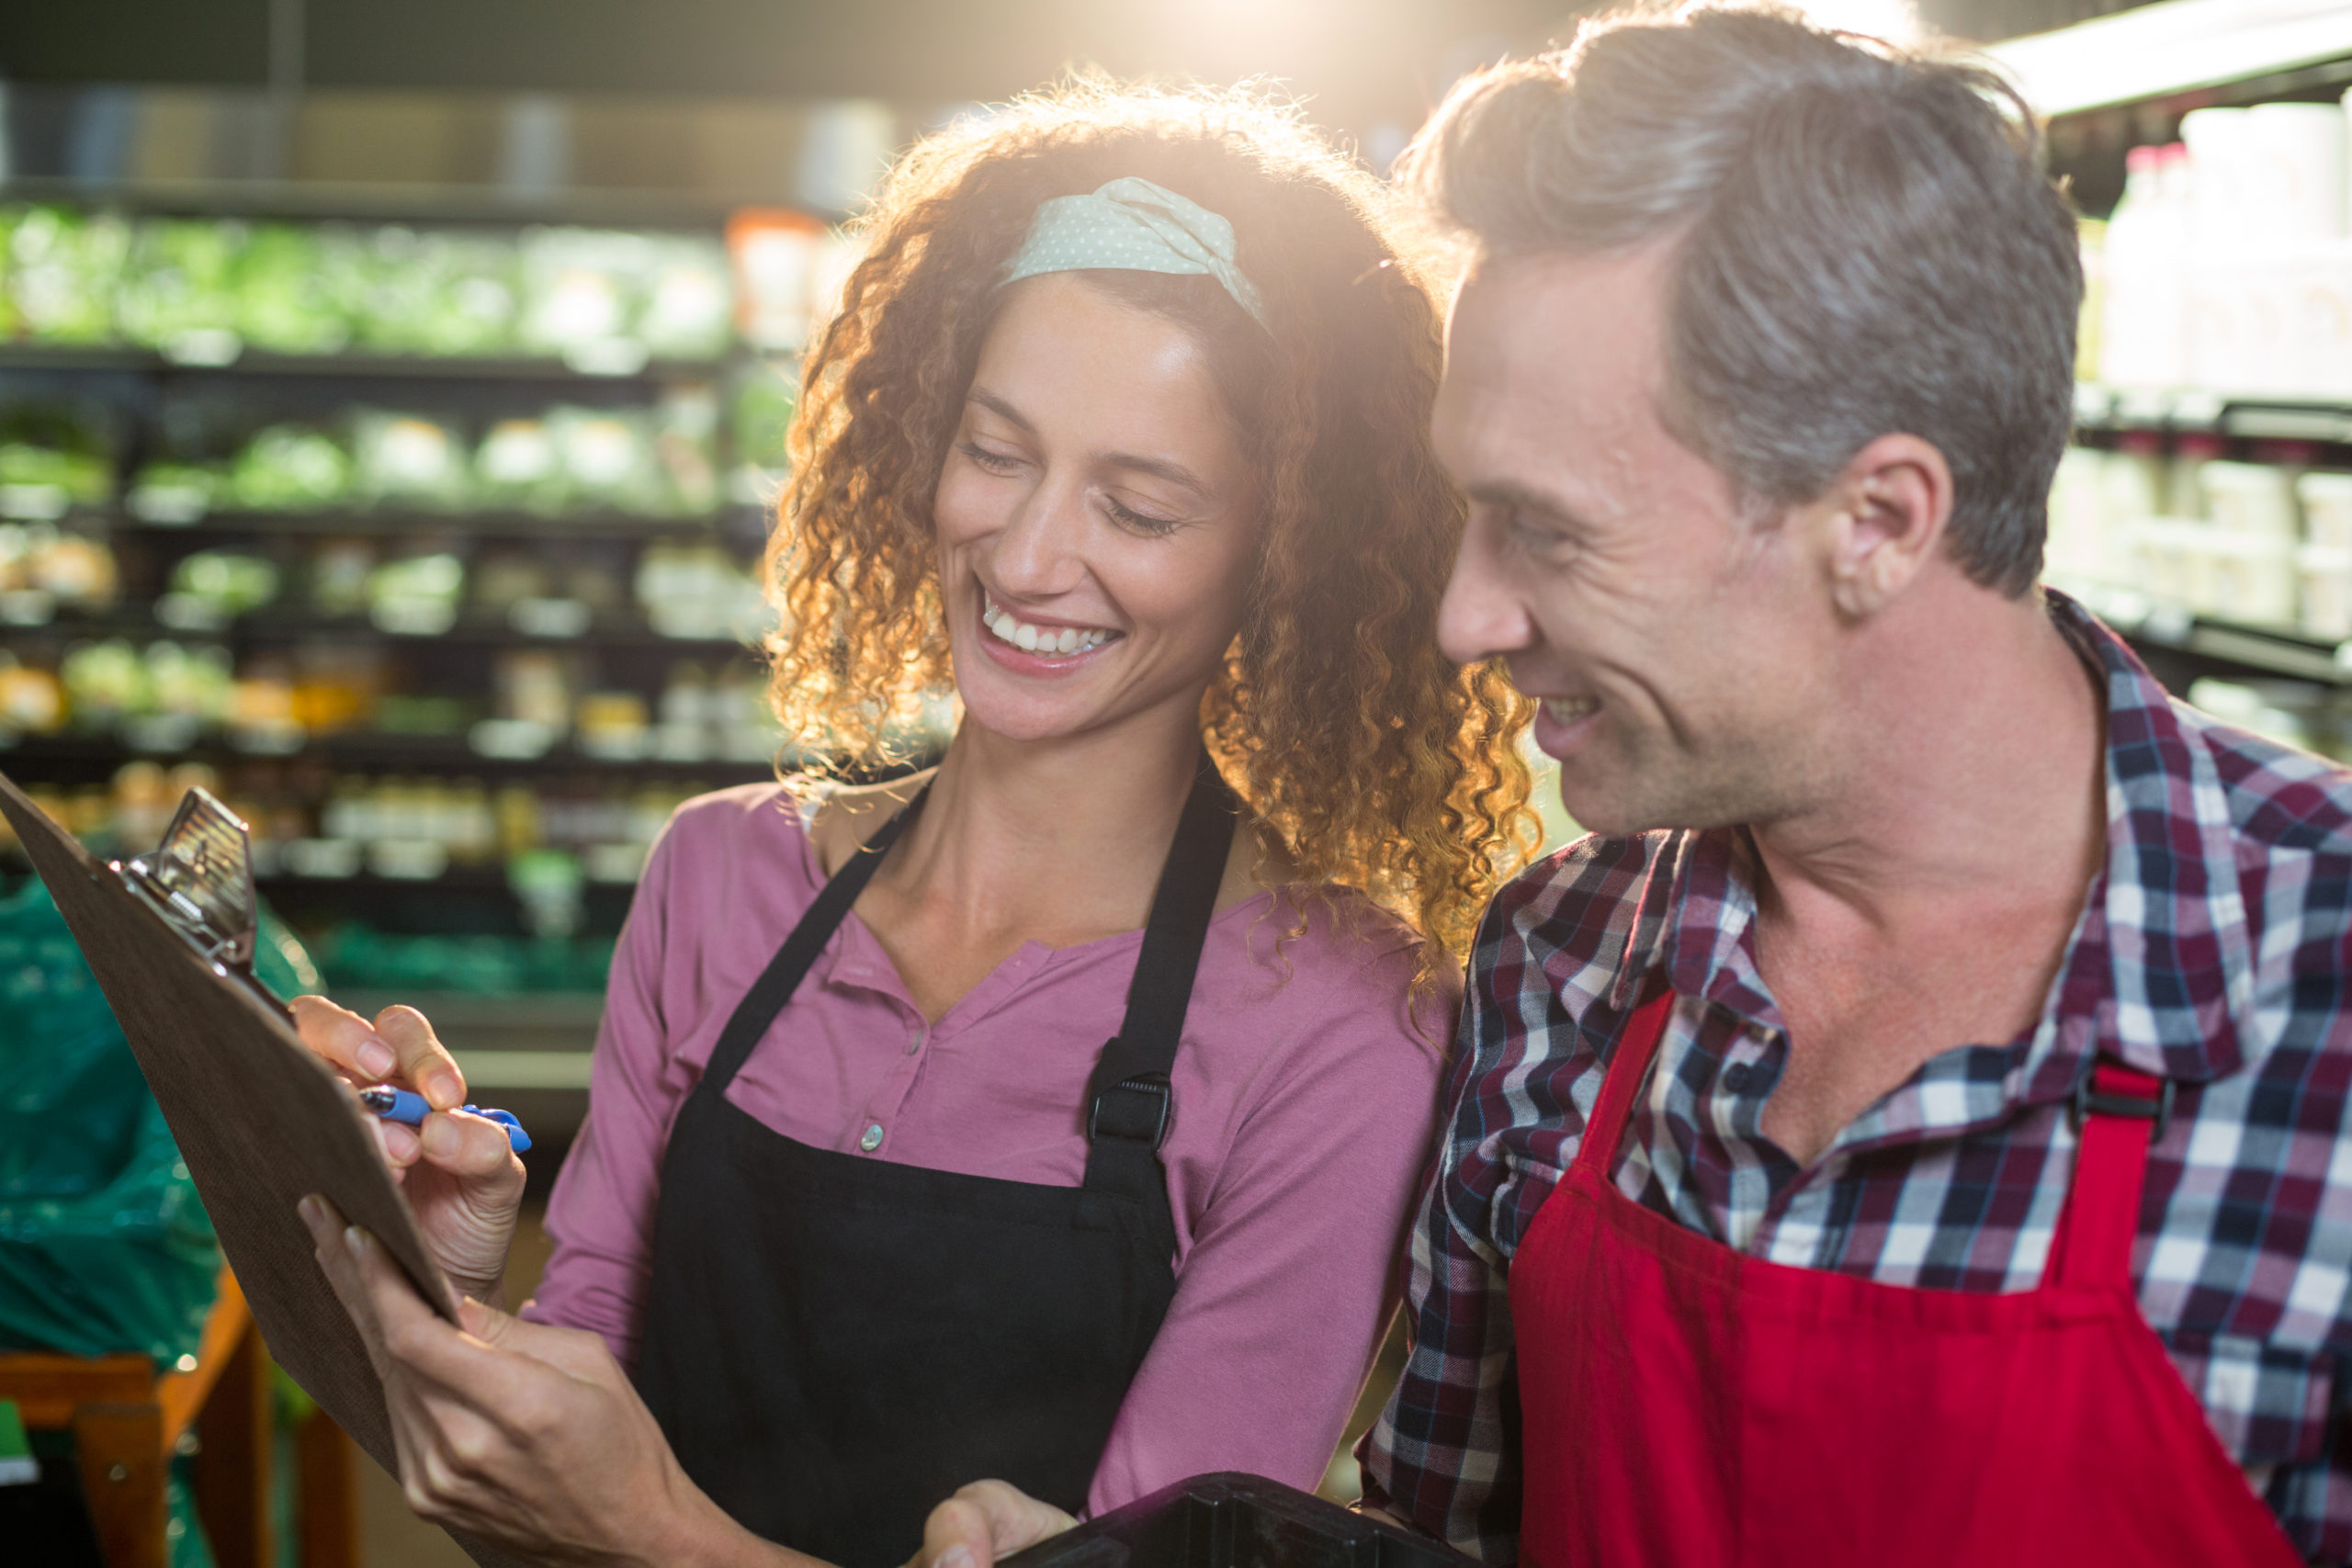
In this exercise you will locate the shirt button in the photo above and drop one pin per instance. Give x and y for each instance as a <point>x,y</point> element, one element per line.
<point>914,1042</point>
<point>872,1140</point>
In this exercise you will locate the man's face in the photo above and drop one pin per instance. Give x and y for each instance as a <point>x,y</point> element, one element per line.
<point>1681,649</point>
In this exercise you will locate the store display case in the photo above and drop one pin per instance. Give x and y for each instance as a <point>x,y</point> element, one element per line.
<point>431,544</point>
<point>2205,508</point>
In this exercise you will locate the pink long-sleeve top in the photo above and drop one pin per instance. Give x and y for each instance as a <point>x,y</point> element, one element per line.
<point>1305,1100</point>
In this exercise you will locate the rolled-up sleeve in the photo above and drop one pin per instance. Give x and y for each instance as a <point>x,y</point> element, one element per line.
<point>599,1213</point>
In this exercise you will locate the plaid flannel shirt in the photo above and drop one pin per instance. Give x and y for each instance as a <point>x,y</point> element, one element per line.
<point>2212,951</point>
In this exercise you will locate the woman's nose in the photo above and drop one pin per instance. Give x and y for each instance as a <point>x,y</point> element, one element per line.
<point>1042,551</point>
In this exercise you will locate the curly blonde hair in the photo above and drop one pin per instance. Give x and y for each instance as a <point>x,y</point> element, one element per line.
<point>1367,758</point>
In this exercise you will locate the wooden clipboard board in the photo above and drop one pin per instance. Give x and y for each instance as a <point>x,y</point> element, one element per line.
<point>259,1120</point>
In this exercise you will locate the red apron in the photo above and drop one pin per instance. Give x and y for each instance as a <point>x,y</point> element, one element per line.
<point>1683,1403</point>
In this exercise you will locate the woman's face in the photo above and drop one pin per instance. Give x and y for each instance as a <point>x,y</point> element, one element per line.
<point>1097,518</point>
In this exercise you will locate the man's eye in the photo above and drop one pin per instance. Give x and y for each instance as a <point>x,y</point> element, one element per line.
<point>994,462</point>
<point>1528,533</point>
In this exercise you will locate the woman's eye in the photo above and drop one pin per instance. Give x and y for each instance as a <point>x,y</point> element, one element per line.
<point>1141,522</point>
<point>993,462</point>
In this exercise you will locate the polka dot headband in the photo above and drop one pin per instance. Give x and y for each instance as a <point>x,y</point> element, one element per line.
<point>1131,225</point>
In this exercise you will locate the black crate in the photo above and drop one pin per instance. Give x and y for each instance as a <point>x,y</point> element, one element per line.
<point>1232,1520</point>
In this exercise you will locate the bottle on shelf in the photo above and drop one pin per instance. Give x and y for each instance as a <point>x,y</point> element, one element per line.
<point>2143,338</point>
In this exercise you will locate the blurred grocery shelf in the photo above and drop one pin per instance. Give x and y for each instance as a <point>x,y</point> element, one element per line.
<point>227,357</point>
<point>2249,416</point>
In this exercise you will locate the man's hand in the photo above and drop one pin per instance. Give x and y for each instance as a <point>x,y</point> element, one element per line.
<point>984,1521</point>
<point>522,1434</point>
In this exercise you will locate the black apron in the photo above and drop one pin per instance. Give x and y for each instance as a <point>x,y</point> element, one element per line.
<point>834,1343</point>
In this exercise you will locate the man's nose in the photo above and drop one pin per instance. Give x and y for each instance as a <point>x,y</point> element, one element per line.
<point>1482,614</point>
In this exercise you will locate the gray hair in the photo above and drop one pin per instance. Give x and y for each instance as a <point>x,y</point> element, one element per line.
<point>1866,245</point>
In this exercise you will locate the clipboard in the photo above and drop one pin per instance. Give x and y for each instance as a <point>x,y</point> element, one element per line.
<point>260,1121</point>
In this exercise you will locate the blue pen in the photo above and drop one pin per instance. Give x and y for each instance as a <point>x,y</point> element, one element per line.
<point>400,1105</point>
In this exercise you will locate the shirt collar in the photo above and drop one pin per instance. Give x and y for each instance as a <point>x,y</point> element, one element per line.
<point>2159,965</point>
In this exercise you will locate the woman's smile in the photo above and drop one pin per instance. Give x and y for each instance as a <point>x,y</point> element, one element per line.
<point>1058,645</point>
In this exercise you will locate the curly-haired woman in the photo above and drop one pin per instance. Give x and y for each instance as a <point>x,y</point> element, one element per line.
<point>1119,431</point>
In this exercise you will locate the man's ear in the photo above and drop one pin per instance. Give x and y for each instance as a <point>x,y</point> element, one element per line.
<point>1882,522</point>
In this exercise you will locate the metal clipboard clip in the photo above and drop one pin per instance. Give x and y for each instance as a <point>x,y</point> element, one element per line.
<point>200,881</point>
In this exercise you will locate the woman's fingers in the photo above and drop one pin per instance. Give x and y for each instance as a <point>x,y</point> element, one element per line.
<point>984,1521</point>
<point>398,1047</point>
<point>425,1065</point>
<point>347,1041</point>
<point>330,1246</point>
<point>473,1147</point>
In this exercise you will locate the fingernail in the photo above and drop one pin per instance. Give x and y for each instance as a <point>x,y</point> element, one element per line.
<point>442,1089</point>
<point>955,1557</point>
<point>438,1135</point>
<point>309,1208</point>
<point>376,1058</point>
<point>356,1239</point>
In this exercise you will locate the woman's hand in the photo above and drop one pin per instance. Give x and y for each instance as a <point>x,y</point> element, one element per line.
<point>521,1434</point>
<point>460,1173</point>
<point>984,1521</point>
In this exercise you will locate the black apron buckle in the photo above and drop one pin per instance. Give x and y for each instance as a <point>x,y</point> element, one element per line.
<point>1140,1113</point>
<point>2088,1101</point>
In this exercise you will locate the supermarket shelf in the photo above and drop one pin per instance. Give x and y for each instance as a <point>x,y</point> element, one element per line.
<point>2245,650</point>
<point>373,751</point>
<point>2187,408</point>
<point>485,523</point>
<point>352,366</point>
<point>2156,50</point>
<point>499,207</point>
<point>267,626</point>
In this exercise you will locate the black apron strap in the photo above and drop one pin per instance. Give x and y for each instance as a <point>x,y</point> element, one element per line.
<point>783,975</point>
<point>1129,1101</point>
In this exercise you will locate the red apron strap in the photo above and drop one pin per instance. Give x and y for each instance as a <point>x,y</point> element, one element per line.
<point>1627,1067</point>
<point>2123,1113</point>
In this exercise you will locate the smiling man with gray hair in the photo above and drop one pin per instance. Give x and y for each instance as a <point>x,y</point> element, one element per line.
<point>1910,1129</point>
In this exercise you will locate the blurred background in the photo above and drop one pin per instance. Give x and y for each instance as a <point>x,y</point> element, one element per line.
<point>391,397</point>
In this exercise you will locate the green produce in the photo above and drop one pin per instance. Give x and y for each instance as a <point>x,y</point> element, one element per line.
<point>53,455</point>
<point>82,479</point>
<point>688,301</point>
<point>418,595</point>
<point>685,427</point>
<point>293,287</point>
<point>289,467</point>
<point>9,217</point>
<point>405,460</point>
<point>438,293</point>
<point>231,582</point>
<point>106,682</point>
<point>177,492</point>
<point>176,292</point>
<point>517,466</point>
<point>580,287</point>
<point>63,271</point>
<point>607,455</point>
<point>194,683</point>
<point>765,400</point>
